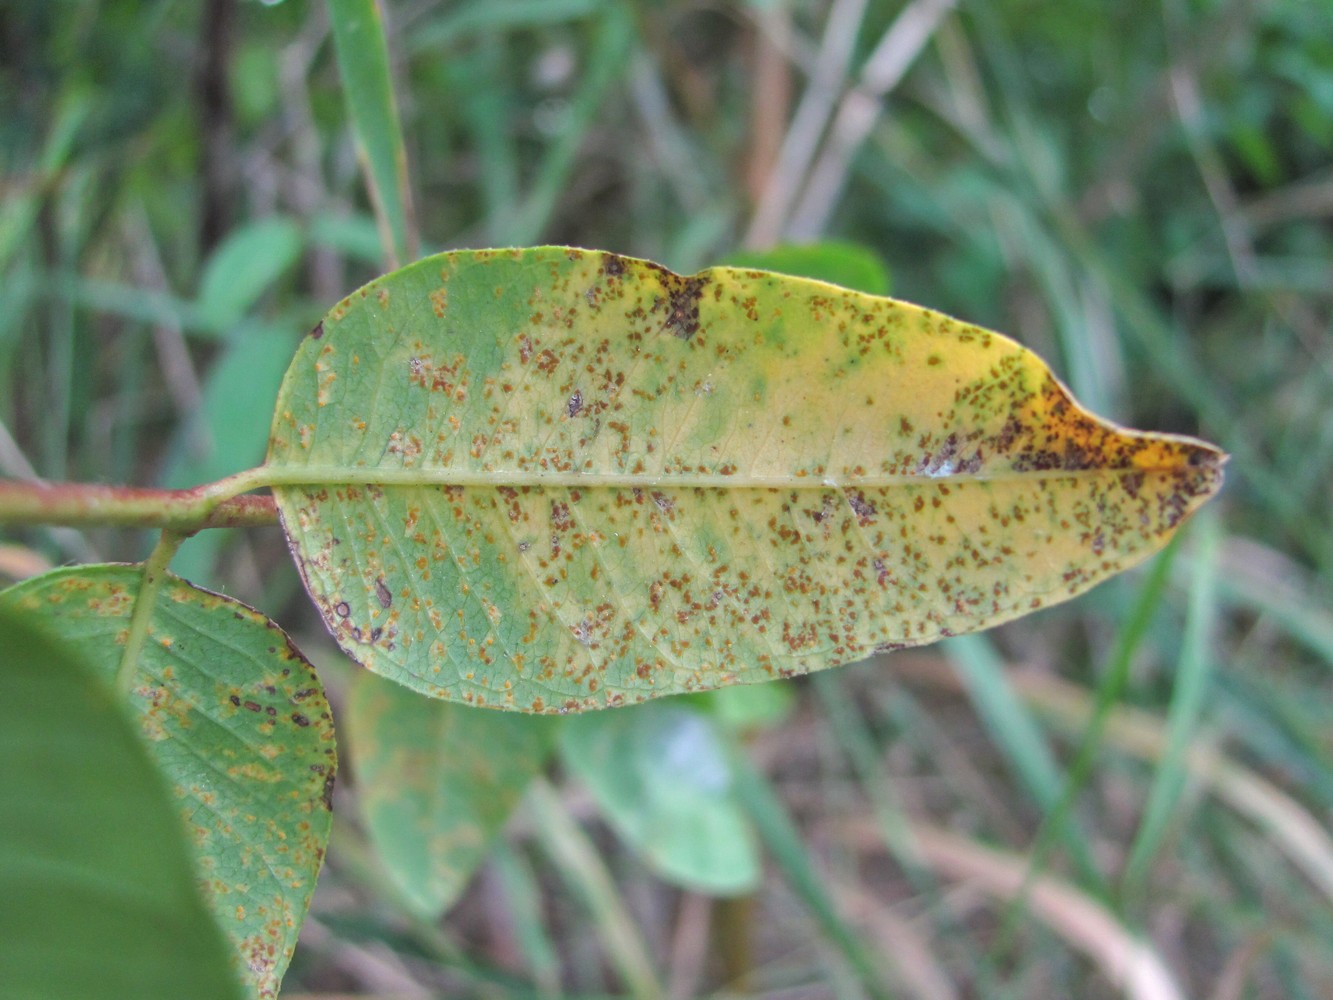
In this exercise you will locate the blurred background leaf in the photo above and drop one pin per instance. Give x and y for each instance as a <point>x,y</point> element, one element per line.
<point>438,782</point>
<point>661,777</point>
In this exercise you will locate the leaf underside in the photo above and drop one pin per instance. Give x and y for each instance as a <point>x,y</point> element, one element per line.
<point>554,480</point>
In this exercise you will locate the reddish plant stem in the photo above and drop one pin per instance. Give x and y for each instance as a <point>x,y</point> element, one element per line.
<point>83,505</point>
<point>249,510</point>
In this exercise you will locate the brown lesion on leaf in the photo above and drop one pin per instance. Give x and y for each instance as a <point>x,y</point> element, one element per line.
<point>444,377</point>
<point>613,265</point>
<point>318,331</point>
<point>681,304</point>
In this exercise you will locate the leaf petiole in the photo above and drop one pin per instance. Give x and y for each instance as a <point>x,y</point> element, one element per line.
<point>214,505</point>
<point>154,573</point>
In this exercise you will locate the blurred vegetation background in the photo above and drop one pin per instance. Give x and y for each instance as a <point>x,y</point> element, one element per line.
<point>1130,794</point>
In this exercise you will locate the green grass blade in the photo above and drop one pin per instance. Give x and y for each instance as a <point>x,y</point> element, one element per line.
<point>1192,679</point>
<point>522,893</point>
<point>577,860</point>
<point>853,736</point>
<point>19,212</point>
<point>1057,824</point>
<point>1297,610</point>
<point>363,60</point>
<point>784,843</point>
<point>1019,737</point>
<point>609,55</point>
<point>498,15</point>
<point>482,79</point>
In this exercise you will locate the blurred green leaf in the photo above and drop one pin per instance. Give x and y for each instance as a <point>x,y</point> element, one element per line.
<point>662,777</point>
<point>236,721</point>
<point>245,264</point>
<point>609,55</point>
<point>17,213</point>
<point>436,782</point>
<point>97,883</point>
<point>835,261</point>
<point>353,235</point>
<point>747,706</point>
<point>229,431</point>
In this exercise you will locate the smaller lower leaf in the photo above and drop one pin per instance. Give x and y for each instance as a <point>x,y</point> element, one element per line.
<point>97,886</point>
<point>236,722</point>
<point>755,706</point>
<point>661,775</point>
<point>436,782</point>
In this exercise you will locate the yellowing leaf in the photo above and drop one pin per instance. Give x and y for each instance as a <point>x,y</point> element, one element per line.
<point>555,479</point>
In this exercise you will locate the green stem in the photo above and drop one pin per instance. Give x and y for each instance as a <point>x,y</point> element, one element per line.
<point>154,575</point>
<point>214,505</point>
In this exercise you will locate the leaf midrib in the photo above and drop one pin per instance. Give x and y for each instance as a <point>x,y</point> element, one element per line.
<point>324,475</point>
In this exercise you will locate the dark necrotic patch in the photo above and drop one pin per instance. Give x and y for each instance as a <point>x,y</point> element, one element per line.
<point>682,304</point>
<point>318,331</point>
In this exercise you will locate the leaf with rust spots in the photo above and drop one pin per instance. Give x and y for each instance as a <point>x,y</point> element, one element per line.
<point>238,726</point>
<point>637,484</point>
<point>436,783</point>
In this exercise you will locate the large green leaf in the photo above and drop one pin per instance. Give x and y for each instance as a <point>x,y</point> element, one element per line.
<point>436,782</point>
<point>97,890</point>
<point>555,479</point>
<point>236,721</point>
<point>663,778</point>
